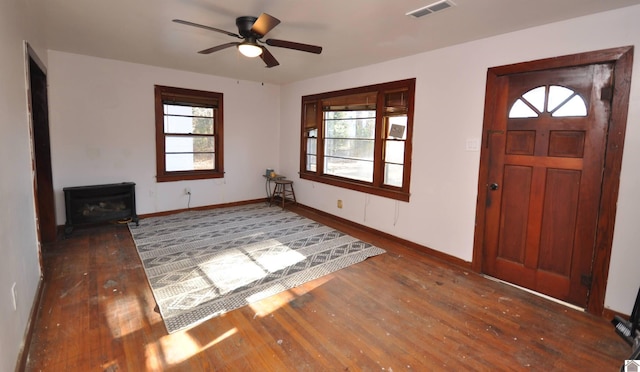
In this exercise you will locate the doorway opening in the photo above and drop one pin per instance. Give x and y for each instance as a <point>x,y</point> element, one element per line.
<point>41,148</point>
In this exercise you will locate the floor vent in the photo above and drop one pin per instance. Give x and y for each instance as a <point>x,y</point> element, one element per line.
<point>432,8</point>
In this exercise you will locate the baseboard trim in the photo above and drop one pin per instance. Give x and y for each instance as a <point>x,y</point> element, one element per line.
<point>174,211</point>
<point>23,355</point>
<point>610,314</point>
<point>204,208</point>
<point>305,210</point>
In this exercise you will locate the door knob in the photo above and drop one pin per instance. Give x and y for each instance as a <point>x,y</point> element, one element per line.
<point>493,187</point>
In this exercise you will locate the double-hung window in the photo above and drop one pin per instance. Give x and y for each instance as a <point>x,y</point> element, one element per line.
<point>360,138</point>
<point>188,134</point>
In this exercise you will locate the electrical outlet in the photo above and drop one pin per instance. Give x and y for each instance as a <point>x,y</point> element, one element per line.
<point>14,295</point>
<point>187,190</point>
<point>339,203</point>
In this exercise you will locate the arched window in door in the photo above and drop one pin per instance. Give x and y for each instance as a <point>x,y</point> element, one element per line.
<point>557,100</point>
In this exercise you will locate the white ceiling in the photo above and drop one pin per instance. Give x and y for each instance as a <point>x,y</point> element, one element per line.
<point>353,33</point>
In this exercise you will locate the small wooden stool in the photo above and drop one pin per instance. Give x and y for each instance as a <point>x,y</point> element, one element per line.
<point>283,190</point>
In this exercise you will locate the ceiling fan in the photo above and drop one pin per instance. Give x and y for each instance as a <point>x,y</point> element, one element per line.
<point>251,30</point>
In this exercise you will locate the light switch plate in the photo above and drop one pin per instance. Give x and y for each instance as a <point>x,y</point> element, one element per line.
<point>472,144</point>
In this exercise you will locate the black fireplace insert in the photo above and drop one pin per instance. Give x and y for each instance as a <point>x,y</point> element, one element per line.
<point>99,203</point>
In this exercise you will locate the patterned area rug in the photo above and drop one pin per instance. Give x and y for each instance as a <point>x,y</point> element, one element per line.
<point>201,264</point>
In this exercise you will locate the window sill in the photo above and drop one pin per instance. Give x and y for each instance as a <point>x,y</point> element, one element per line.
<point>188,176</point>
<point>391,193</point>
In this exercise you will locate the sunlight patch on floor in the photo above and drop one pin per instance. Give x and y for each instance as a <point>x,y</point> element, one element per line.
<point>125,314</point>
<point>272,302</point>
<point>176,348</point>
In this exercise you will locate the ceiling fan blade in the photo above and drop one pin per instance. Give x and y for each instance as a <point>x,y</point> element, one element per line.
<point>207,28</point>
<point>296,46</point>
<point>264,24</point>
<point>268,58</point>
<point>217,48</point>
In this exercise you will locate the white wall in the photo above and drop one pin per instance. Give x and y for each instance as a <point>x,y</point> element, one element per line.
<point>449,110</point>
<point>94,101</point>
<point>18,240</point>
<point>103,131</point>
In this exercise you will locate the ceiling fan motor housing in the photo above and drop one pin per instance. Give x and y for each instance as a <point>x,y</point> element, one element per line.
<point>244,26</point>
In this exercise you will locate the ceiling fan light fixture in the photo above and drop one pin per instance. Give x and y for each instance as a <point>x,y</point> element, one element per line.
<point>249,49</point>
<point>251,30</point>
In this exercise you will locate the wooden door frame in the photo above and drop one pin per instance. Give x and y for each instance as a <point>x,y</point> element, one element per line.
<point>44,203</point>
<point>622,59</point>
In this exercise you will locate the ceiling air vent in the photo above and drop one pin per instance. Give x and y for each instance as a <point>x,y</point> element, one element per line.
<point>432,8</point>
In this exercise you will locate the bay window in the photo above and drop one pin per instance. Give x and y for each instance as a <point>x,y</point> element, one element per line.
<point>360,138</point>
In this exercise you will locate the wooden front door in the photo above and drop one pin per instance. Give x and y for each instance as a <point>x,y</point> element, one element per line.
<point>542,174</point>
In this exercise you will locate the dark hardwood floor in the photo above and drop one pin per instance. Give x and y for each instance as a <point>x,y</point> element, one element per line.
<point>400,311</point>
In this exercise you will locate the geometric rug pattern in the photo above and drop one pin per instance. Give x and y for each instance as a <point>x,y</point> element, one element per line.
<point>201,264</point>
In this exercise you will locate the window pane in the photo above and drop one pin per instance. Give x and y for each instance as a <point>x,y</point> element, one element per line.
<point>557,95</point>
<point>394,152</point>
<point>349,148</point>
<point>206,112</point>
<point>204,161</point>
<point>349,168</point>
<point>536,97</point>
<point>202,126</point>
<point>178,144</point>
<point>311,146</point>
<point>574,107</point>
<point>204,144</point>
<point>187,124</point>
<point>178,124</point>
<point>521,110</point>
<point>188,110</point>
<point>348,114</point>
<point>189,162</point>
<point>393,174</point>
<point>311,163</point>
<point>312,150</point>
<point>175,144</point>
<point>350,124</point>
<point>177,110</point>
